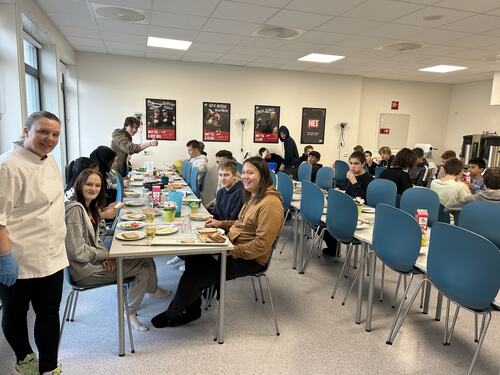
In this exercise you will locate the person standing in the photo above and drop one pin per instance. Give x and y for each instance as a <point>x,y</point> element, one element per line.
<point>122,144</point>
<point>32,250</point>
<point>292,160</point>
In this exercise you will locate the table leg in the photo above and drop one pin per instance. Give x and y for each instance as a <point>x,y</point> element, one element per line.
<point>121,322</point>
<point>295,230</point>
<point>369,305</point>
<point>427,297</point>
<point>359,304</point>
<point>222,289</point>
<point>439,305</point>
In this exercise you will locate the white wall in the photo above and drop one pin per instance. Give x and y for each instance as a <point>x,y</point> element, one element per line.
<point>113,87</point>
<point>471,113</point>
<point>426,103</point>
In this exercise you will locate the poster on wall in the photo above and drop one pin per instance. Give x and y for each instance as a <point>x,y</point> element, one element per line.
<point>266,124</point>
<point>216,122</point>
<point>313,125</point>
<point>161,119</point>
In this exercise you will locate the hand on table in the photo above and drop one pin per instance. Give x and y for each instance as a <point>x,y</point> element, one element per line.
<point>8,269</point>
<point>212,223</point>
<point>109,265</point>
<point>109,212</point>
<point>350,176</point>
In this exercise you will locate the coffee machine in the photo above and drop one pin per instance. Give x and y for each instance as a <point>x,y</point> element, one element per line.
<point>490,150</point>
<point>470,147</point>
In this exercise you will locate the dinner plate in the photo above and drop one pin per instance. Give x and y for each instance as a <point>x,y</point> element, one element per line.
<point>368,210</point>
<point>131,225</point>
<point>131,193</point>
<point>210,230</point>
<point>162,230</point>
<point>156,211</point>
<point>140,236</point>
<point>133,216</point>
<point>137,177</point>
<point>135,183</point>
<point>362,225</point>
<point>134,203</point>
<point>200,217</point>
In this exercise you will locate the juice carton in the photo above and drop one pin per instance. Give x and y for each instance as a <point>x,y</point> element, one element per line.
<point>156,196</point>
<point>422,218</point>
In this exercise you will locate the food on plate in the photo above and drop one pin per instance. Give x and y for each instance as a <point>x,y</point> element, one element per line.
<point>166,229</point>
<point>130,235</point>
<point>134,203</point>
<point>119,205</point>
<point>131,225</point>
<point>156,211</point>
<point>175,185</point>
<point>200,216</point>
<point>133,216</point>
<point>215,237</point>
<point>207,230</point>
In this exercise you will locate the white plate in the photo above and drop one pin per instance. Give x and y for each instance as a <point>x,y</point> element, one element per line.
<point>162,230</point>
<point>135,183</point>
<point>134,203</point>
<point>368,210</point>
<point>140,234</point>
<point>131,194</point>
<point>200,217</point>
<point>128,225</point>
<point>362,226</point>
<point>133,217</point>
<point>137,177</point>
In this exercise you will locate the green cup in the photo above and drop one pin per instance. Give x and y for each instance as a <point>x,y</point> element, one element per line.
<point>194,204</point>
<point>360,208</point>
<point>168,215</point>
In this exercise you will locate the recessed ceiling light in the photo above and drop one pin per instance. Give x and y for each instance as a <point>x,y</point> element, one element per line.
<point>168,43</point>
<point>434,17</point>
<point>442,68</point>
<point>320,58</point>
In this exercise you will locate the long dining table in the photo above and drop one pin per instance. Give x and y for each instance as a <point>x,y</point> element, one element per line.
<point>170,245</point>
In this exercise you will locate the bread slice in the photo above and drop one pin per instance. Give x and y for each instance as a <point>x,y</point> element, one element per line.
<point>130,235</point>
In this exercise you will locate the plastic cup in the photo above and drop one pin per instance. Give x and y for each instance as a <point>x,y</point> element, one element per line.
<point>168,215</point>
<point>194,205</point>
<point>360,208</point>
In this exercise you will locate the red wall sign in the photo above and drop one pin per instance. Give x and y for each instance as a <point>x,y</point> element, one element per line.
<point>394,105</point>
<point>384,131</point>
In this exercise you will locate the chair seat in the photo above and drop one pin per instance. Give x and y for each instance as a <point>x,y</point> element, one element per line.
<point>81,288</point>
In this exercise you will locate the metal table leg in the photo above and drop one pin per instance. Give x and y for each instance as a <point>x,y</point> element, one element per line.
<point>301,246</point>
<point>295,230</point>
<point>121,322</point>
<point>427,298</point>
<point>222,289</point>
<point>439,304</point>
<point>369,305</point>
<point>359,304</point>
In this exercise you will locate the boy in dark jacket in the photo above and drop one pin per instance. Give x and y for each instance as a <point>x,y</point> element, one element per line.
<point>420,173</point>
<point>229,197</point>
<point>313,159</point>
<point>291,153</point>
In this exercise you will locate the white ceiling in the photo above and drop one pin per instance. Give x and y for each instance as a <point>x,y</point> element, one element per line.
<point>468,34</point>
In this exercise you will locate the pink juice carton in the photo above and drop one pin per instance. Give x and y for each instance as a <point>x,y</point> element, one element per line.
<point>156,196</point>
<point>422,218</point>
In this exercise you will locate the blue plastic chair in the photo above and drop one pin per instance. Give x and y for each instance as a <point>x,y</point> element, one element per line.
<point>378,171</point>
<point>341,221</point>
<point>311,209</point>
<point>285,188</point>
<point>304,172</point>
<point>184,169</point>
<point>381,191</point>
<point>464,267</point>
<point>194,181</point>
<point>324,178</point>
<point>421,198</point>
<point>119,187</point>
<point>482,218</point>
<point>273,176</point>
<point>239,167</point>
<point>341,169</point>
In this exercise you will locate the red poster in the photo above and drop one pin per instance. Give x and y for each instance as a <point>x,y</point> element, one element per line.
<point>266,124</point>
<point>216,122</point>
<point>394,105</point>
<point>384,131</point>
<point>161,119</point>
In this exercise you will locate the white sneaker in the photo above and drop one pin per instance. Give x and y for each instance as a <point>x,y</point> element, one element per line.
<point>160,293</point>
<point>182,268</point>
<point>174,260</point>
<point>137,324</point>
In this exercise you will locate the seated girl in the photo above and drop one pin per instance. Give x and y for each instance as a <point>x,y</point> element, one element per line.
<point>357,184</point>
<point>253,235</point>
<point>89,259</point>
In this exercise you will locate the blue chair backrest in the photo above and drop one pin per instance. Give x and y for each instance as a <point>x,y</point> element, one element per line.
<point>341,169</point>
<point>285,187</point>
<point>443,217</point>
<point>273,176</point>
<point>311,203</point>
<point>188,173</point>
<point>119,187</point>
<point>304,172</point>
<point>324,178</point>
<point>239,167</point>
<point>184,169</point>
<point>341,216</point>
<point>463,265</point>
<point>194,181</point>
<point>396,237</point>
<point>421,198</point>
<point>482,218</point>
<point>378,171</point>
<point>381,191</point>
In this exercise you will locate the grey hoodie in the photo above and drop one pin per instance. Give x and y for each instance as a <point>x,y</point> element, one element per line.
<point>83,246</point>
<point>487,195</point>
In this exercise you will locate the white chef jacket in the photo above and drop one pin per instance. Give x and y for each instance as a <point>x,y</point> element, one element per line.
<point>32,211</point>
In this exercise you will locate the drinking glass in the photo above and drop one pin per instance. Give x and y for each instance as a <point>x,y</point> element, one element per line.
<point>150,216</point>
<point>150,232</point>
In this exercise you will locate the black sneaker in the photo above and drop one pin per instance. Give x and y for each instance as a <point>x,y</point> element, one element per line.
<point>329,252</point>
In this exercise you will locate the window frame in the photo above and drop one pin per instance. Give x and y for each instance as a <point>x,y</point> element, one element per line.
<point>32,71</point>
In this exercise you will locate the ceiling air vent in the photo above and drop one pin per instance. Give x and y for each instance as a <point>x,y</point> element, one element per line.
<point>118,13</point>
<point>401,46</point>
<point>277,32</point>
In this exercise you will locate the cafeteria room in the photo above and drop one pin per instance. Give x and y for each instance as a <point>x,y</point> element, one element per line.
<point>249,186</point>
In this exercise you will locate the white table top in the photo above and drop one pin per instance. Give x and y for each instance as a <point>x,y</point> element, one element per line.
<point>142,248</point>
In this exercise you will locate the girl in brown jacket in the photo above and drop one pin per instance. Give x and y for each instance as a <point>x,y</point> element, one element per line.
<point>253,235</point>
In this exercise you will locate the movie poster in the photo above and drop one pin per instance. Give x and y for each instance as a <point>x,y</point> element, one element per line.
<point>161,119</point>
<point>216,122</point>
<point>313,125</point>
<point>266,124</point>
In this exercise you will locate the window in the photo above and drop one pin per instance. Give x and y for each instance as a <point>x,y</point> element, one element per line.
<point>32,75</point>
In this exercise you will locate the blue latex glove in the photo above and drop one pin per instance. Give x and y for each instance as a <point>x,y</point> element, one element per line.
<point>8,269</point>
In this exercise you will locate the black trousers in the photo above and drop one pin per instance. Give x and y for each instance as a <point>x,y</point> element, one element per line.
<point>45,296</point>
<point>330,241</point>
<point>201,272</point>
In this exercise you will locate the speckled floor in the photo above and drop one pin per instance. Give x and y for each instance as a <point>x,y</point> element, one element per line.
<point>318,335</point>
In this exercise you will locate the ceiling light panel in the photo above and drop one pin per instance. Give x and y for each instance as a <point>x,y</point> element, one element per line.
<point>320,58</point>
<point>168,43</point>
<point>442,68</point>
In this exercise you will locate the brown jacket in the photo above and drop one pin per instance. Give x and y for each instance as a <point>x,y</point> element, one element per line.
<point>121,143</point>
<point>257,228</point>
